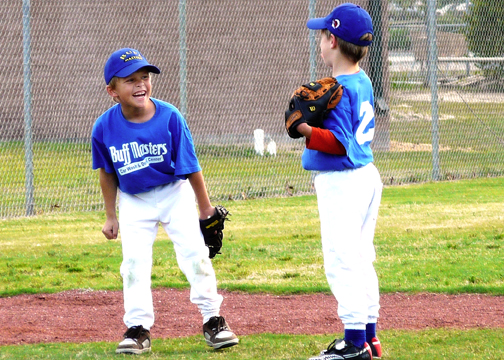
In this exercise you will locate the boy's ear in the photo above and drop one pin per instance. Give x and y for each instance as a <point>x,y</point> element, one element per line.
<point>334,41</point>
<point>111,91</point>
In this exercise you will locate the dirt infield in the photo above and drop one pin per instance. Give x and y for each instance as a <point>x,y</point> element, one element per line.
<point>75,316</point>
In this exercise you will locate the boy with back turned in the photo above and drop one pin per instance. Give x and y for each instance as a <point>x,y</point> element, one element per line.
<point>347,184</point>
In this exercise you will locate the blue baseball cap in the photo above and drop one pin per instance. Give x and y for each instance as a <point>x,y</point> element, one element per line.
<point>125,62</point>
<point>347,21</point>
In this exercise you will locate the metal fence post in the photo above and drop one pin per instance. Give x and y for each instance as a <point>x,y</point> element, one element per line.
<point>468,65</point>
<point>30,207</point>
<point>182,57</point>
<point>313,43</point>
<point>432,71</point>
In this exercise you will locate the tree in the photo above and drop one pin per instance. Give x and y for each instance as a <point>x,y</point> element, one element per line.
<point>485,33</point>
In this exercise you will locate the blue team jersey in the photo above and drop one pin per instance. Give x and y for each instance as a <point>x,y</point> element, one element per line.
<point>144,155</point>
<point>352,122</point>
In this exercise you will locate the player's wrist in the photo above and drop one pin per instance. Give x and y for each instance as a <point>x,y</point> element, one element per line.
<point>305,130</point>
<point>206,212</point>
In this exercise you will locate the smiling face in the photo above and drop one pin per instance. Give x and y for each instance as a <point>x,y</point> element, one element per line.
<point>132,92</point>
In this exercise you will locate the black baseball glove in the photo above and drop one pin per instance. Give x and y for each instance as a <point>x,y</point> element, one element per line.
<point>211,229</point>
<point>310,104</point>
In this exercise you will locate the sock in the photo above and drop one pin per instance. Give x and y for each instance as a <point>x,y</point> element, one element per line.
<point>358,337</point>
<point>370,332</point>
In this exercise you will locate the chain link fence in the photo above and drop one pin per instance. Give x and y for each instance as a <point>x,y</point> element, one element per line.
<point>230,67</point>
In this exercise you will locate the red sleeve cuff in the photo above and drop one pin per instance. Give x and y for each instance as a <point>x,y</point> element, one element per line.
<point>325,141</point>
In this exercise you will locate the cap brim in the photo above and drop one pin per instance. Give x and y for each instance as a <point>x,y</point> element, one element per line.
<point>127,71</point>
<point>317,24</point>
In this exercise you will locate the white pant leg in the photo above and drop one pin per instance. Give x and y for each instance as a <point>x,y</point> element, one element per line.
<point>180,220</point>
<point>138,228</point>
<point>348,202</point>
<point>368,231</point>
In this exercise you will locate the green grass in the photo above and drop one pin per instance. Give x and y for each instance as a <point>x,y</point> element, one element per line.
<point>470,140</point>
<point>441,237</point>
<point>432,344</point>
<point>437,237</point>
<point>473,127</point>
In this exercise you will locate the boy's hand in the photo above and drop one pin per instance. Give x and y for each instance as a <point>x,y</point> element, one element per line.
<point>212,227</point>
<point>111,229</point>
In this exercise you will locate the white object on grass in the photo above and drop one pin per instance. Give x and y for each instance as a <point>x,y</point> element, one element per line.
<point>259,141</point>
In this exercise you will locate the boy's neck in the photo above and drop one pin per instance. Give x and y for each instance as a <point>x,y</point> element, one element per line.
<point>344,66</point>
<point>139,115</point>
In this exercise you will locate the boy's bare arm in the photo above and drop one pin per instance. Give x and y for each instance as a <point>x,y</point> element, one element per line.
<point>305,130</point>
<point>108,183</point>
<point>198,184</point>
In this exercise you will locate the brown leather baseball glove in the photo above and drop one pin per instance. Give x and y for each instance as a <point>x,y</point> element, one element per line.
<point>310,104</point>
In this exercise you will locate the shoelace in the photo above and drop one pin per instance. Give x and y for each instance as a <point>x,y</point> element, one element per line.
<point>220,324</point>
<point>133,332</point>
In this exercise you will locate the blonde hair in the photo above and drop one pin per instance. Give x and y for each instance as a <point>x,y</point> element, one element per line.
<point>352,51</point>
<point>112,84</point>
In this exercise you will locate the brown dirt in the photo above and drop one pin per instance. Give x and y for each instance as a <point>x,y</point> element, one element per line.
<point>77,316</point>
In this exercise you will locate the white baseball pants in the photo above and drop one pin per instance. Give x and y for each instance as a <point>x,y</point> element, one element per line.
<point>174,207</point>
<point>348,203</point>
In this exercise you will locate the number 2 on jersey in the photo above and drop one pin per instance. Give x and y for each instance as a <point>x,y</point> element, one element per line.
<point>367,110</point>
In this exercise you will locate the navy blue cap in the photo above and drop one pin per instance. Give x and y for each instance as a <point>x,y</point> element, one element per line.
<point>125,62</point>
<point>347,21</point>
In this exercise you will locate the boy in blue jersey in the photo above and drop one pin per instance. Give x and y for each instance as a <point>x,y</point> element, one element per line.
<point>145,154</point>
<point>348,185</point>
